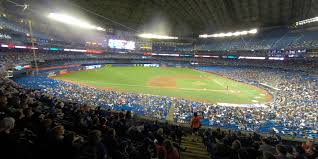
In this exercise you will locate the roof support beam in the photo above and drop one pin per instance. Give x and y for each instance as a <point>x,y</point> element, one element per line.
<point>206,14</point>
<point>188,8</point>
<point>215,9</point>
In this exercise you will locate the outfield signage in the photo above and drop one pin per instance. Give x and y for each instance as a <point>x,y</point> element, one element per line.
<point>11,46</point>
<point>20,47</point>
<point>91,67</point>
<point>94,51</point>
<point>169,55</point>
<point>151,65</point>
<point>186,55</point>
<point>276,58</point>
<point>229,57</point>
<point>54,49</point>
<point>74,50</point>
<point>22,67</point>
<point>157,54</point>
<point>251,57</point>
<point>206,56</point>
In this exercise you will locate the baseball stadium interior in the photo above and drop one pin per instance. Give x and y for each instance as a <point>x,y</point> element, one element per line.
<point>159,79</point>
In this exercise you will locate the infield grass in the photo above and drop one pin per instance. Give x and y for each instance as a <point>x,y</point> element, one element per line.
<point>174,82</point>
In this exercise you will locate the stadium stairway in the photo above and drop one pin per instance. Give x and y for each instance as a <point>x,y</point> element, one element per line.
<point>170,115</point>
<point>195,150</point>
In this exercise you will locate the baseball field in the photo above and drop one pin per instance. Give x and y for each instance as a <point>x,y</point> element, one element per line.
<point>173,82</point>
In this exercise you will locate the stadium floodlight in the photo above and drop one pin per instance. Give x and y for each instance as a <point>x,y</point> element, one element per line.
<point>253,31</point>
<point>230,34</point>
<point>154,36</point>
<point>63,18</point>
<point>307,21</point>
<point>204,36</point>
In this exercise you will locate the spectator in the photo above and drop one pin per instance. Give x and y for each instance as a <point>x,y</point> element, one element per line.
<point>172,152</point>
<point>314,152</point>
<point>299,153</point>
<point>111,142</point>
<point>93,148</point>
<point>55,142</point>
<point>160,149</point>
<point>290,152</point>
<point>195,125</point>
<point>237,152</point>
<point>3,103</point>
<point>70,146</point>
<point>8,142</point>
<point>6,125</point>
<point>266,146</point>
<point>281,152</point>
<point>268,155</point>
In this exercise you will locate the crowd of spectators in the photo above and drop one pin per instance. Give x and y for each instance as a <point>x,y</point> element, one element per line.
<point>292,111</point>
<point>294,106</point>
<point>34,124</point>
<point>146,105</point>
<point>31,119</point>
<point>235,145</point>
<point>22,57</point>
<point>48,58</point>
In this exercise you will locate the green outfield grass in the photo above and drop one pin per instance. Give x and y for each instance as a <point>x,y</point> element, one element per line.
<point>174,82</point>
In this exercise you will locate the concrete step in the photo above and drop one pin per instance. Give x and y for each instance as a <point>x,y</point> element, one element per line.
<point>195,149</point>
<point>189,155</point>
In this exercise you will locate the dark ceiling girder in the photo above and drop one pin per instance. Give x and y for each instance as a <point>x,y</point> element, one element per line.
<point>244,10</point>
<point>224,13</point>
<point>194,6</point>
<point>214,7</point>
<point>314,8</point>
<point>307,8</point>
<point>231,10</point>
<point>185,17</point>
<point>267,11</point>
<point>251,6</point>
<point>275,11</point>
<point>190,17</point>
<point>206,14</point>
<point>188,9</point>
<point>237,9</point>
<point>223,16</point>
<point>285,11</point>
<point>213,13</point>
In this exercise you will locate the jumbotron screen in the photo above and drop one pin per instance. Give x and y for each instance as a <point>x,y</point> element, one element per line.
<point>121,44</point>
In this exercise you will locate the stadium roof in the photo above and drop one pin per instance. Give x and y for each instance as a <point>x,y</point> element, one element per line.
<point>194,17</point>
<point>201,16</point>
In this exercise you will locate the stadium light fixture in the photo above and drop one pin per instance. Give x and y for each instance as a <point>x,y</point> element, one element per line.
<point>253,31</point>
<point>154,36</point>
<point>307,21</point>
<point>63,18</point>
<point>229,34</point>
